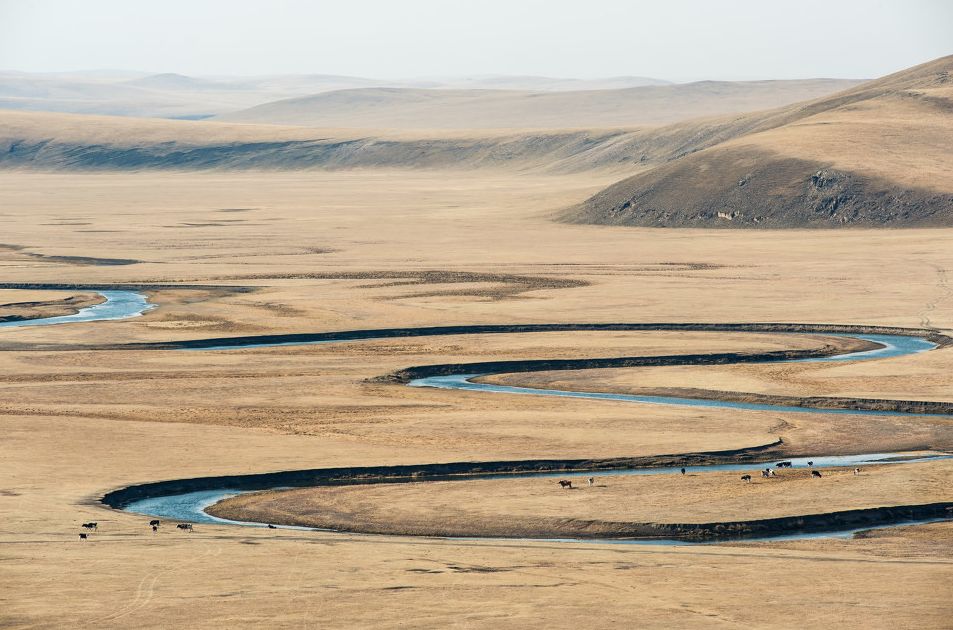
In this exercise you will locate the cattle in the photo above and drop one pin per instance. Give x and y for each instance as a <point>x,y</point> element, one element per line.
<point>564,483</point>
<point>766,472</point>
<point>270,526</point>
<point>185,526</point>
<point>154,522</point>
<point>591,481</point>
<point>772,473</point>
<point>683,471</point>
<point>155,528</point>
<point>783,465</point>
<point>857,471</point>
<point>810,463</point>
<point>815,473</point>
<point>746,478</point>
<point>90,525</point>
<point>84,536</point>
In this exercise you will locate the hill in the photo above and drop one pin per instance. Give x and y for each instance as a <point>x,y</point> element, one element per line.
<point>171,95</point>
<point>880,154</point>
<point>35,140</point>
<point>652,105</point>
<point>48,141</point>
<point>547,84</point>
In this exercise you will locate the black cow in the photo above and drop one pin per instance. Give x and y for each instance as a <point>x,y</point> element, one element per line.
<point>270,526</point>
<point>683,471</point>
<point>154,523</point>
<point>83,536</point>
<point>783,465</point>
<point>185,526</point>
<point>90,525</point>
<point>815,473</point>
<point>746,478</point>
<point>810,463</point>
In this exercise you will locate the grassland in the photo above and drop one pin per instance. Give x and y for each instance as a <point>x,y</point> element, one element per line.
<point>539,508</point>
<point>316,249</point>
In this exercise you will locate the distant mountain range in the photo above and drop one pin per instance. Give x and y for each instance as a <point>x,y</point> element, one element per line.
<point>169,95</point>
<point>405,108</point>
<point>342,101</point>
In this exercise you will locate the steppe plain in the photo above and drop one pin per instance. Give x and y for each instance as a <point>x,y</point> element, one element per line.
<point>327,251</point>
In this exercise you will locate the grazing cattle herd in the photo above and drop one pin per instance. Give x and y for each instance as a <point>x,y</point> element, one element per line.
<point>770,472</point>
<point>563,483</point>
<point>154,524</point>
<point>767,473</point>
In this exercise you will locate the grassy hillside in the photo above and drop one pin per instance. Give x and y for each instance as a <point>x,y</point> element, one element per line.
<point>74,142</point>
<point>33,140</point>
<point>877,155</point>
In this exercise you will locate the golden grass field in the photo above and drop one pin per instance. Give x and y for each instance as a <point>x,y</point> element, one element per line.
<point>318,246</point>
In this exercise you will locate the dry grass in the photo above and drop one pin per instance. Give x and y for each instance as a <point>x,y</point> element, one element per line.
<point>77,424</point>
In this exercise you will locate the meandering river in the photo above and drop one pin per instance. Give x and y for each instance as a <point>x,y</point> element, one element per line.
<point>190,506</point>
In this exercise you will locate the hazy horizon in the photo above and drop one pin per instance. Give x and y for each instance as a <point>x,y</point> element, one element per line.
<point>133,73</point>
<point>426,39</point>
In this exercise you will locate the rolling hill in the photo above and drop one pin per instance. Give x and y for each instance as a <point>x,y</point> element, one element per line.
<point>880,154</point>
<point>171,95</point>
<point>653,105</point>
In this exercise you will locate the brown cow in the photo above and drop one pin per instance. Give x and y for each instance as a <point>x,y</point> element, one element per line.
<point>564,483</point>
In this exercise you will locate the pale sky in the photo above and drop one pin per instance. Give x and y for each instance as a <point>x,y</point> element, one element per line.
<point>678,40</point>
